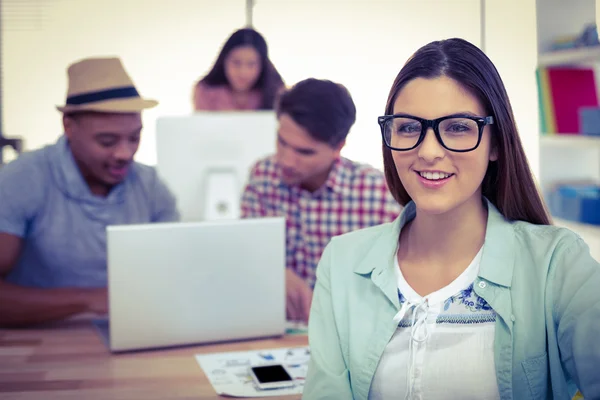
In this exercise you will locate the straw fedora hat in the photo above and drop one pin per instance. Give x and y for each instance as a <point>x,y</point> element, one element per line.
<point>102,85</point>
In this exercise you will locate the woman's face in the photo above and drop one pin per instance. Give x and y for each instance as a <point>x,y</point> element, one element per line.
<point>242,68</point>
<point>439,180</point>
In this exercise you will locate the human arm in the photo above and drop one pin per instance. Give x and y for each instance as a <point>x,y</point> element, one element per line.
<point>22,306</point>
<point>576,312</point>
<point>298,297</point>
<point>201,98</point>
<point>22,193</point>
<point>327,376</point>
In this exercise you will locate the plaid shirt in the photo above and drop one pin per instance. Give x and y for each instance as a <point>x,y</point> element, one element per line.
<point>354,196</point>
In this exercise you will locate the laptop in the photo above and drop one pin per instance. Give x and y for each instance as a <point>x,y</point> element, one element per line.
<point>173,284</point>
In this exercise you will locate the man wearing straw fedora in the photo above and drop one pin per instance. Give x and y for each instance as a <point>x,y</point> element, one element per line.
<point>56,202</point>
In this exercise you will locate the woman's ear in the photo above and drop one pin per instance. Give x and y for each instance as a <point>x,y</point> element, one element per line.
<point>493,149</point>
<point>494,153</point>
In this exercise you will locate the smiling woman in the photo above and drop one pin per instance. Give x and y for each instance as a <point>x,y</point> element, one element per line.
<point>470,293</point>
<point>459,147</point>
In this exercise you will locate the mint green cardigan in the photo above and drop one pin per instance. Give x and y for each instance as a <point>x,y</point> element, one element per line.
<point>540,280</point>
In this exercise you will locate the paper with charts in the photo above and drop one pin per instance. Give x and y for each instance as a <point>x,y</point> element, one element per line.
<point>228,372</point>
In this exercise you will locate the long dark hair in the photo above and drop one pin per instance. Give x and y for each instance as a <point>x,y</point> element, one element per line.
<point>269,81</point>
<point>508,182</point>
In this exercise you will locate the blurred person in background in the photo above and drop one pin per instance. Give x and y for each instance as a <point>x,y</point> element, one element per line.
<point>56,202</point>
<point>242,78</point>
<point>320,193</point>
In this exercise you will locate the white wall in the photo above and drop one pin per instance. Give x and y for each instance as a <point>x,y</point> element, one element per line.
<point>167,45</point>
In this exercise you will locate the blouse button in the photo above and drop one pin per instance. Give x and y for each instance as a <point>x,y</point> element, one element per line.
<point>482,284</point>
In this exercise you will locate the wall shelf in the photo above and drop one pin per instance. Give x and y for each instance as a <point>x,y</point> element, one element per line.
<point>581,228</point>
<point>579,56</point>
<point>586,141</point>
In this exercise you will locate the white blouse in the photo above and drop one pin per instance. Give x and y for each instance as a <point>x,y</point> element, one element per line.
<point>443,347</point>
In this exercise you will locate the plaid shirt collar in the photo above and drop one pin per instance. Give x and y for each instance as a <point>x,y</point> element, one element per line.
<point>335,182</point>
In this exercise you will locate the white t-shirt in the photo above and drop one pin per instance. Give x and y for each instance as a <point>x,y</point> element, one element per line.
<point>443,347</point>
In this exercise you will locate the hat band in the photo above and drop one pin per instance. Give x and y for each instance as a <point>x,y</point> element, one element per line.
<point>101,95</point>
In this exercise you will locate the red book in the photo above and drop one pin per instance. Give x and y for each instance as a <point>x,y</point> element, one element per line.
<point>571,89</point>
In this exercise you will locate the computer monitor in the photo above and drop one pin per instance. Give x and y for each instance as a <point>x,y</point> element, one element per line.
<point>205,159</point>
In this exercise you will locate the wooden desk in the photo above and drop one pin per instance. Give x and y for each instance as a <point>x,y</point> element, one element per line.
<point>69,361</point>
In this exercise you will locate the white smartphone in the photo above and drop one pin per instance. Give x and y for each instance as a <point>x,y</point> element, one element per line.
<point>271,376</point>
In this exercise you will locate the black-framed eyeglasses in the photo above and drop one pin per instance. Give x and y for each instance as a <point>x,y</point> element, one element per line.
<point>459,132</point>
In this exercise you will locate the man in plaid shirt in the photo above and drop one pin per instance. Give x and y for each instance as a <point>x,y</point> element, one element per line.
<point>320,193</point>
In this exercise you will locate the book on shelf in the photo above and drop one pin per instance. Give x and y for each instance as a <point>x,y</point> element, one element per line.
<point>562,91</point>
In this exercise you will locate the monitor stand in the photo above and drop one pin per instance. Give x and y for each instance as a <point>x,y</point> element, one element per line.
<point>221,195</point>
